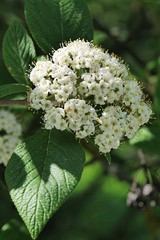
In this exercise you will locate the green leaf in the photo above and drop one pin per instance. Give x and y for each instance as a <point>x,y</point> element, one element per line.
<point>147,139</point>
<point>42,173</point>
<point>9,89</point>
<point>18,51</point>
<point>52,22</point>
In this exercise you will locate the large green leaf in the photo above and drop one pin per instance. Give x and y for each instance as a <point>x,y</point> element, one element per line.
<point>52,22</point>
<point>18,51</point>
<point>42,173</point>
<point>9,89</point>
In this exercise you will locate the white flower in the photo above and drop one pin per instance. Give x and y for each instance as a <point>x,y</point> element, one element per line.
<point>10,132</point>
<point>89,91</point>
<point>41,70</point>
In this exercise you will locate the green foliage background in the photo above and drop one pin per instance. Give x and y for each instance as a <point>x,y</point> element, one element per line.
<point>97,209</point>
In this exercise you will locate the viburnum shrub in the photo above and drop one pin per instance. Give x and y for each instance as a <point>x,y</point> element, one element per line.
<point>81,92</point>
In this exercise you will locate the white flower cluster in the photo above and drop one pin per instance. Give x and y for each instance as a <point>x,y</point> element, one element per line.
<point>90,92</point>
<point>10,132</point>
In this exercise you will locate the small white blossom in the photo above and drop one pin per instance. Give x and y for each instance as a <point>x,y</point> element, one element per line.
<point>89,91</point>
<point>10,132</point>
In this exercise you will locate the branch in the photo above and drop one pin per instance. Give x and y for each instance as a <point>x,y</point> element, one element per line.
<point>6,103</point>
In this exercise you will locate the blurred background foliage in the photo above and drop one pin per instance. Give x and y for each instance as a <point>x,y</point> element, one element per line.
<point>97,210</point>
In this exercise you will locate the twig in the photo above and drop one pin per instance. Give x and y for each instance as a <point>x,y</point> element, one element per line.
<point>6,103</point>
<point>141,157</point>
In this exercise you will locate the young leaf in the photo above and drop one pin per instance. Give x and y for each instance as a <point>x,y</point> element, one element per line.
<point>147,139</point>
<point>56,21</point>
<point>9,89</point>
<point>42,173</point>
<point>14,229</point>
<point>18,51</point>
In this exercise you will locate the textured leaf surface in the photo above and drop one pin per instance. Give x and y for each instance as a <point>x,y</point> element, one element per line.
<point>18,51</point>
<point>52,22</point>
<point>9,89</point>
<point>42,173</point>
